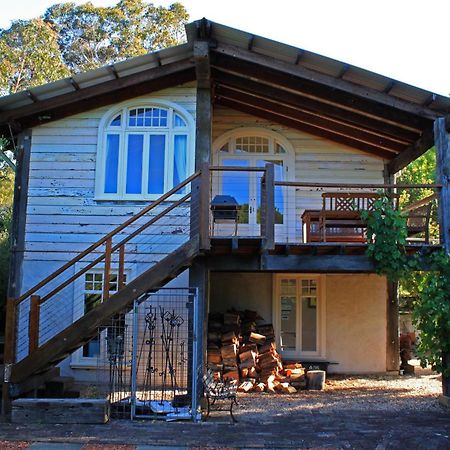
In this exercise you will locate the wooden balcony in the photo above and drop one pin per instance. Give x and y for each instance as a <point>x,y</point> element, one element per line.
<point>301,226</point>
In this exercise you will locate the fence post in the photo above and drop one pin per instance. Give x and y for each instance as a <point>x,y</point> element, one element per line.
<point>268,208</point>
<point>107,271</point>
<point>33,324</point>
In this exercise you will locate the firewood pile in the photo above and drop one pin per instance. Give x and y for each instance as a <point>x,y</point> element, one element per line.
<point>241,347</point>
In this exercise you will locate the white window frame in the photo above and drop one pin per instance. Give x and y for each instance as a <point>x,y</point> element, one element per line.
<point>78,361</point>
<point>320,353</point>
<point>124,130</point>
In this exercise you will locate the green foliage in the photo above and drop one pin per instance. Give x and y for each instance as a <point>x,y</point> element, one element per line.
<point>69,39</point>
<point>91,36</point>
<point>29,56</point>
<point>431,312</point>
<point>5,224</point>
<point>430,289</point>
<point>386,234</point>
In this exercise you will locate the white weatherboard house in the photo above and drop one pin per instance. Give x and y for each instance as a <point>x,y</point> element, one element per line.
<point>118,179</point>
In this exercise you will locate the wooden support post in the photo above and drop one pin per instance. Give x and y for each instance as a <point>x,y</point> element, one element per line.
<point>107,270</point>
<point>392,310</point>
<point>203,141</point>
<point>121,278</point>
<point>199,277</point>
<point>268,208</point>
<point>204,204</point>
<point>33,323</point>
<point>392,328</point>
<point>442,145</point>
<point>10,352</point>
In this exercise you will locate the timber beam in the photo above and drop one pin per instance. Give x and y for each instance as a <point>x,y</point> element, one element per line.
<point>312,129</point>
<point>314,105</point>
<point>243,57</point>
<point>310,119</point>
<point>414,151</point>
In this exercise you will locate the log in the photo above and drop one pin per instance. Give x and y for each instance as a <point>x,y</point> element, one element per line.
<point>230,336</point>
<point>246,386</point>
<point>214,336</point>
<point>231,318</point>
<point>267,347</point>
<point>248,347</point>
<point>257,338</point>
<point>230,362</point>
<point>260,387</point>
<point>270,384</point>
<point>248,355</point>
<point>229,351</point>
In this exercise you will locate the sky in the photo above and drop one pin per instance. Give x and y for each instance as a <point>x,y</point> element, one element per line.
<point>403,39</point>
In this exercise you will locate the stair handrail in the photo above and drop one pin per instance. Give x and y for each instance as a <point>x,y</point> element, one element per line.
<point>104,239</point>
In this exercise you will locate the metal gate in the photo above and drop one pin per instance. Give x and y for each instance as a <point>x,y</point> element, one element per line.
<point>150,357</point>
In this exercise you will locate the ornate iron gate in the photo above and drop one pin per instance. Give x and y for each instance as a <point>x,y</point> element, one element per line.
<point>150,357</point>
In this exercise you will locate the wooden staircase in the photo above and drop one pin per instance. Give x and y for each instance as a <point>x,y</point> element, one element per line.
<point>38,366</point>
<point>84,329</point>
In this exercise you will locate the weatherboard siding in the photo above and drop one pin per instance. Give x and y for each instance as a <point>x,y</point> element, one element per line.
<point>63,217</point>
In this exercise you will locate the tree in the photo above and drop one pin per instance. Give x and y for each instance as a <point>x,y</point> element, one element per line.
<point>91,36</point>
<point>29,56</point>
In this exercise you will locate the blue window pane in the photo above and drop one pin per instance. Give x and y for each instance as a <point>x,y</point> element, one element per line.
<point>156,164</point>
<point>179,159</point>
<point>237,185</point>
<point>134,163</point>
<point>112,163</point>
<point>132,118</point>
<point>178,121</point>
<point>116,121</point>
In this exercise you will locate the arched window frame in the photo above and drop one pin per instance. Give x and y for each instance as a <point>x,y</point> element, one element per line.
<point>170,131</point>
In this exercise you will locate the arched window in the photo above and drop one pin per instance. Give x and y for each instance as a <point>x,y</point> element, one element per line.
<point>144,151</point>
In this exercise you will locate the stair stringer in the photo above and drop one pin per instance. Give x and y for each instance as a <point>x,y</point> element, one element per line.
<point>80,332</point>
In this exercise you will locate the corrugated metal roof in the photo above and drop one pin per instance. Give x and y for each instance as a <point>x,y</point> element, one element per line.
<point>98,76</point>
<point>244,40</point>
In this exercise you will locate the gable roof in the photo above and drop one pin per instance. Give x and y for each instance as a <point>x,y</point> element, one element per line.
<point>298,88</point>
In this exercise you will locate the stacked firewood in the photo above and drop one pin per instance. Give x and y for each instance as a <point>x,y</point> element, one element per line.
<point>242,347</point>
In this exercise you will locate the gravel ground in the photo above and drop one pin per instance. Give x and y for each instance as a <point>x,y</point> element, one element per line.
<point>343,393</point>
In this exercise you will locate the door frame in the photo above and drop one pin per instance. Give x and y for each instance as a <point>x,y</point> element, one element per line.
<point>285,232</point>
<point>320,354</point>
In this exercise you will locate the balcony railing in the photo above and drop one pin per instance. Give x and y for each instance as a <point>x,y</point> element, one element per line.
<point>279,211</point>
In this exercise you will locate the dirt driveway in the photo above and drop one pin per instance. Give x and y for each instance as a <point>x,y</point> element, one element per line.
<point>351,413</point>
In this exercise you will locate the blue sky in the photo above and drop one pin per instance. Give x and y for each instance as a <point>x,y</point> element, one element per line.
<point>404,39</point>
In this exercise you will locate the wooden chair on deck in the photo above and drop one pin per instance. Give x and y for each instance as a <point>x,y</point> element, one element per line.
<point>418,217</point>
<point>341,215</point>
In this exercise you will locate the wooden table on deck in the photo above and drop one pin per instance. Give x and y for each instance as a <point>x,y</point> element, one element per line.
<point>347,227</point>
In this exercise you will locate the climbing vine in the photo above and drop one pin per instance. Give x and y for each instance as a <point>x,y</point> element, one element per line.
<point>386,234</point>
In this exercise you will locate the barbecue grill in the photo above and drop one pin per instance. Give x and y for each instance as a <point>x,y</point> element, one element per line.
<point>224,209</point>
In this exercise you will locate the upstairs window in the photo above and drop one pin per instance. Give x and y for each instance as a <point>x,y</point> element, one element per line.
<point>145,152</point>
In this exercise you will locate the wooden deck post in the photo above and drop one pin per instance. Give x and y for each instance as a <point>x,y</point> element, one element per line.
<point>33,323</point>
<point>268,208</point>
<point>205,190</point>
<point>442,145</point>
<point>392,309</point>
